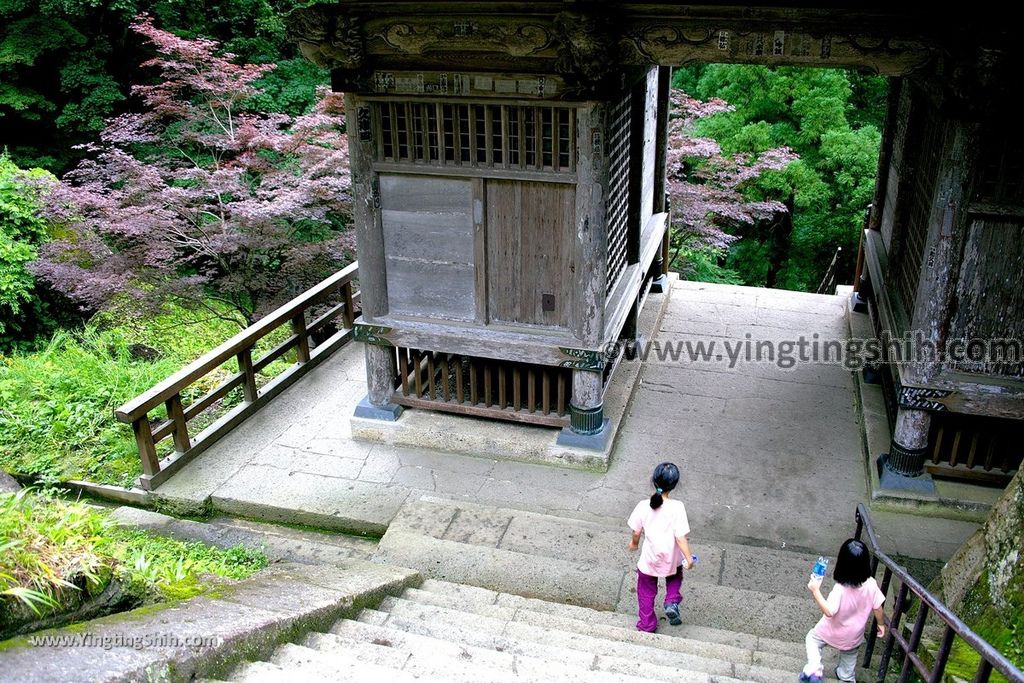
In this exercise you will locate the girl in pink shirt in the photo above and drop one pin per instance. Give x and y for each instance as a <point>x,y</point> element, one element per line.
<point>666,550</point>
<point>845,613</point>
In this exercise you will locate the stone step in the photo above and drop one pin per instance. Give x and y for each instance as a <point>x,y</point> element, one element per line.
<point>619,627</point>
<point>602,666</point>
<point>383,663</point>
<point>465,597</point>
<point>512,626</point>
<point>347,632</point>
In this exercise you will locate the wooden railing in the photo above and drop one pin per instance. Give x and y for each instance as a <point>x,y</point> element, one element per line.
<point>336,292</point>
<point>910,646</point>
<point>828,283</point>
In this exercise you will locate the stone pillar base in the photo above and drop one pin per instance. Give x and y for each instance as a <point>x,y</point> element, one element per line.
<point>597,441</point>
<point>890,479</point>
<point>660,284</point>
<point>389,412</point>
<point>859,304</point>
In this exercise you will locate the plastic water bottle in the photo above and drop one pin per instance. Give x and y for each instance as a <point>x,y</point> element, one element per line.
<point>820,567</point>
<point>693,560</point>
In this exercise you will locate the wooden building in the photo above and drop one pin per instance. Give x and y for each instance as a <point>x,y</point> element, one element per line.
<point>509,177</point>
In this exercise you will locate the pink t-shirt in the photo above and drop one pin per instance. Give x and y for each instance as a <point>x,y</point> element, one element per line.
<point>660,555</point>
<point>850,608</point>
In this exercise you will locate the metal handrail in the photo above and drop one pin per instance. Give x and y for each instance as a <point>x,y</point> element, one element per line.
<point>991,659</point>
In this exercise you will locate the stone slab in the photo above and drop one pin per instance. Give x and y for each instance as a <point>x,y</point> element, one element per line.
<point>247,619</point>
<point>278,543</point>
<point>260,492</point>
<point>575,583</point>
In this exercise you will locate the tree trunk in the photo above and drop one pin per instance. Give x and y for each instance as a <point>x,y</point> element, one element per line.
<point>780,235</point>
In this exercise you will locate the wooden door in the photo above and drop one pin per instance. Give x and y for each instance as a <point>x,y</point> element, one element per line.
<point>530,238</point>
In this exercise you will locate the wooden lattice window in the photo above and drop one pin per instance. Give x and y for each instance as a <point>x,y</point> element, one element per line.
<point>617,205</point>
<point>922,198</point>
<point>504,136</point>
<point>1000,177</point>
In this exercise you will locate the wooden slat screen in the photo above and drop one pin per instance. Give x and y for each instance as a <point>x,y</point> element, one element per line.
<point>484,387</point>
<point>513,137</point>
<point>617,207</point>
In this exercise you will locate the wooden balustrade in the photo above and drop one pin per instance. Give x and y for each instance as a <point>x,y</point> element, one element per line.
<point>967,447</point>
<point>335,292</point>
<point>828,283</point>
<point>468,385</point>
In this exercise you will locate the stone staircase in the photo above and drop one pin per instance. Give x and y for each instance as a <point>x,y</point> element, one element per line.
<point>493,608</point>
<point>464,634</point>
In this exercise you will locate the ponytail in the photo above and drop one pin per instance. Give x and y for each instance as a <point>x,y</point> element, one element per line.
<point>665,478</point>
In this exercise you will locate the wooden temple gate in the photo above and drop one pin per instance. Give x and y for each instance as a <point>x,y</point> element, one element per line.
<point>508,161</point>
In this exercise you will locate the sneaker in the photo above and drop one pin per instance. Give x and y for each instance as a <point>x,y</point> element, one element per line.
<point>835,672</point>
<point>672,612</point>
<point>813,678</point>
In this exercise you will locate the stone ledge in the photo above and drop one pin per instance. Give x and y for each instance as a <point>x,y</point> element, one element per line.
<point>949,501</point>
<point>510,441</point>
<point>248,620</point>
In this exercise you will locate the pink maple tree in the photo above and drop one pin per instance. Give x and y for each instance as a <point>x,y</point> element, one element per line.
<point>706,186</point>
<point>197,199</point>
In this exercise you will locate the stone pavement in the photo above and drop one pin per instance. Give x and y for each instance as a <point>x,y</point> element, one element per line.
<point>769,456</point>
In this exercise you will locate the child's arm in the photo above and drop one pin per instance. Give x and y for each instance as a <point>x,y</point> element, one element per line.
<point>684,545</point>
<point>815,588</point>
<point>880,620</point>
<point>634,542</point>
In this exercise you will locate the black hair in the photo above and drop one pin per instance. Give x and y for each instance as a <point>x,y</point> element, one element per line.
<point>665,478</point>
<point>853,565</point>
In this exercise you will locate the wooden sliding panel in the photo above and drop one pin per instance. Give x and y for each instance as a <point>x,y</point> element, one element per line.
<point>429,242</point>
<point>529,241</point>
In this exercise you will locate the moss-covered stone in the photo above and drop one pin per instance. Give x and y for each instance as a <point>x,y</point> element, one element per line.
<point>991,567</point>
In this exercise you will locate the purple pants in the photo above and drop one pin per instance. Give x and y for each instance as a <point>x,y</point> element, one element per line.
<point>647,590</point>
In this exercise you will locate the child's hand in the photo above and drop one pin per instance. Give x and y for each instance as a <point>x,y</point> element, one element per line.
<point>687,564</point>
<point>814,586</point>
<point>633,545</point>
<point>881,630</point>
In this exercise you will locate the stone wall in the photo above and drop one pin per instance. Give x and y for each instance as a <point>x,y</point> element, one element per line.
<point>984,581</point>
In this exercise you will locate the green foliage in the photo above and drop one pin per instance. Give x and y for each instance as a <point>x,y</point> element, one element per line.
<point>56,404</point>
<point>22,311</point>
<point>67,65</point>
<point>831,118</point>
<point>52,552</point>
<point>290,88</point>
<point>702,265</point>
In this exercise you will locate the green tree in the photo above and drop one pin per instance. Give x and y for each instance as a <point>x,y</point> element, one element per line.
<point>23,313</point>
<point>831,119</point>
<point>66,66</point>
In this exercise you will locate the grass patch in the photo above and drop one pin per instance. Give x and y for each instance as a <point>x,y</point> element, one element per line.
<point>57,403</point>
<point>55,553</point>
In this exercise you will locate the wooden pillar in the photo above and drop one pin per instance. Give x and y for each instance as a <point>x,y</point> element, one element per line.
<point>380,384</point>
<point>591,252</point>
<point>586,410</point>
<point>366,214</point>
<point>660,266</point>
<point>908,450</point>
<point>947,227</point>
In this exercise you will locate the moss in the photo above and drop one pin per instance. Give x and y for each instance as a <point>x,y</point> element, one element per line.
<point>1004,629</point>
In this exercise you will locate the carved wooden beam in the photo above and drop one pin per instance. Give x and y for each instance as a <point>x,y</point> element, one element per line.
<point>588,43</point>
